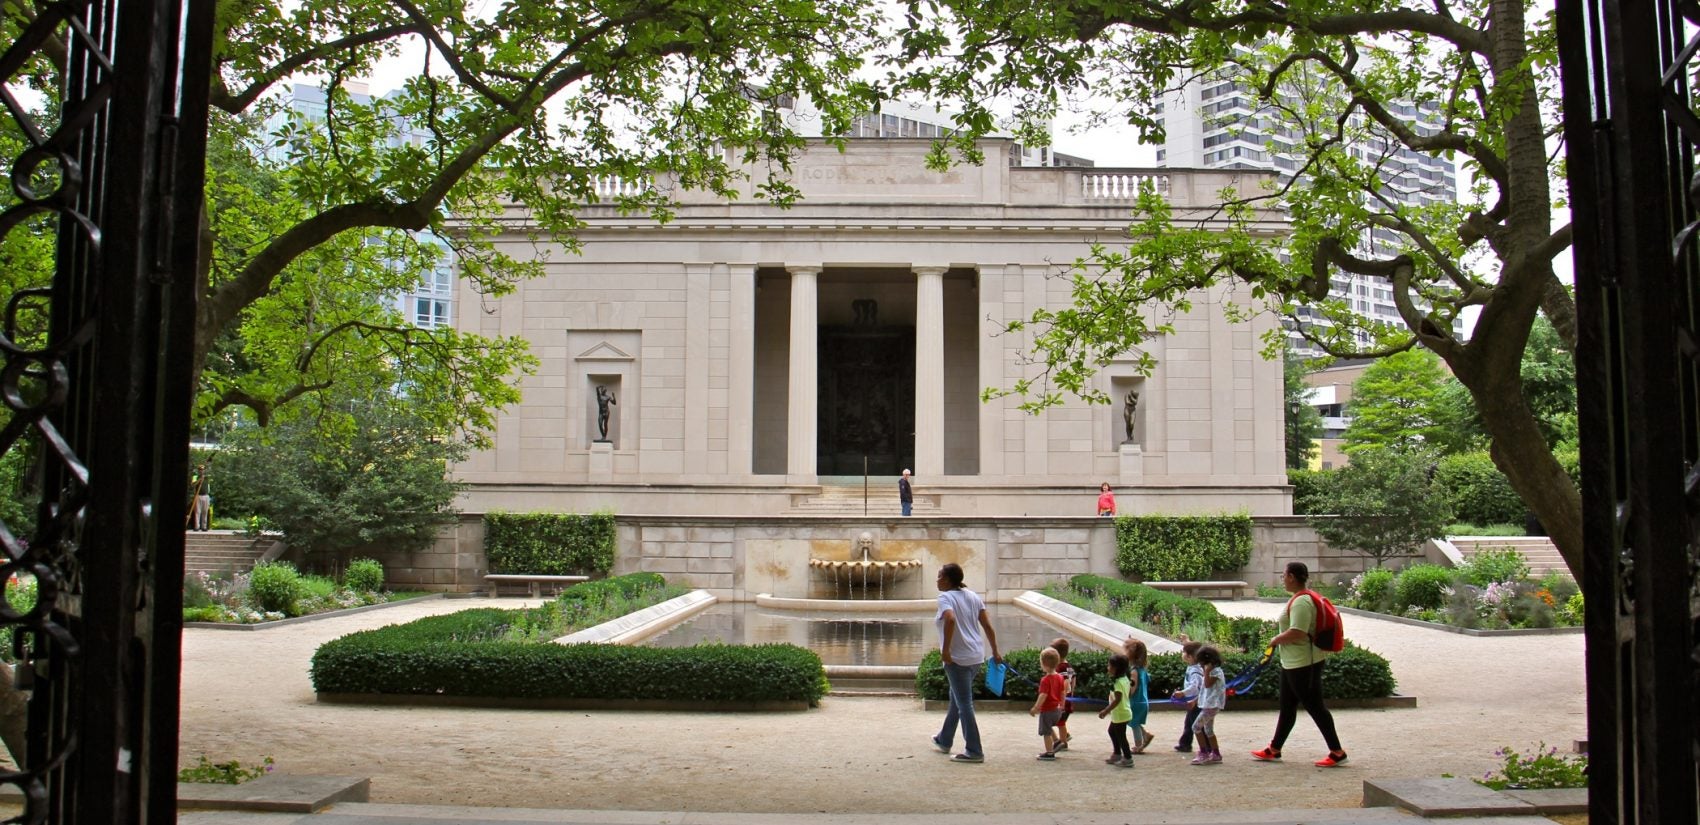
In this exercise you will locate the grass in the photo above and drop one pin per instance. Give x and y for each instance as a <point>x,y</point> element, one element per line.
<point>1465,528</point>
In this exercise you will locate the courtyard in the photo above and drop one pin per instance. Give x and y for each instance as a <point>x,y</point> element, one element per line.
<point>246,695</point>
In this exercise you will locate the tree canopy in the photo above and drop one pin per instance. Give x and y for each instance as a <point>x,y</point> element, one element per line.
<point>1304,423</point>
<point>1343,88</point>
<point>311,220</point>
<point>1396,404</point>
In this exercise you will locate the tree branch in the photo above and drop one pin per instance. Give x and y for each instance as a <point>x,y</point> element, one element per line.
<point>235,104</point>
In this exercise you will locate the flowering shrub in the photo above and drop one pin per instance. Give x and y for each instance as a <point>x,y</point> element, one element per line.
<point>1543,768</point>
<point>231,599</point>
<point>1372,589</point>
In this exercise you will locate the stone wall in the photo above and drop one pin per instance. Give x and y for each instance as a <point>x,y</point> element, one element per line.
<point>1277,540</point>
<point>738,558</point>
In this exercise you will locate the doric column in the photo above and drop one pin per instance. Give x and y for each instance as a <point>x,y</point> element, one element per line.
<point>929,371</point>
<point>800,413</point>
<point>740,403</point>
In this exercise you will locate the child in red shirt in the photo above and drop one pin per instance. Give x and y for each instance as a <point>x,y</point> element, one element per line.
<point>1048,705</point>
<point>1065,670</point>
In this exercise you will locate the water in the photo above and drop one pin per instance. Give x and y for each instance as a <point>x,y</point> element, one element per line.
<point>851,638</point>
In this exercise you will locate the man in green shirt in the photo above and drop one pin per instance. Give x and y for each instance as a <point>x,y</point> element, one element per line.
<point>1301,671</point>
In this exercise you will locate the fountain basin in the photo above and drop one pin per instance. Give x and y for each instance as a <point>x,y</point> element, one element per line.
<point>847,605</point>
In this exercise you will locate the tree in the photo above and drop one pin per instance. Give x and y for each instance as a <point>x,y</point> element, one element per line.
<point>309,221</point>
<point>375,474</point>
<point>1395,404</point>
<point>1336,81</point>
<point>1304,423</point>
<point>1384,504</point>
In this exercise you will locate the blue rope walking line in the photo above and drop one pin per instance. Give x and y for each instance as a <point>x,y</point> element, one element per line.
<point>1249,677</point>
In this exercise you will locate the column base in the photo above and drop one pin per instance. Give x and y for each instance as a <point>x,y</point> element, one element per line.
<point>601,461</point>
<point>1132,463</point>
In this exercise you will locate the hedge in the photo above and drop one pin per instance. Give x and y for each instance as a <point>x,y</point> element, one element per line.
<point>458,655</point>
<point>551,544</point>
<point>1478,491</point>
<point>1353,673</point>
<point>1181,548</point>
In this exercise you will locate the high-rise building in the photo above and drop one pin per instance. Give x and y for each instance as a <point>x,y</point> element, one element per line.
<point>1219,123</point>
<point>430,303</point>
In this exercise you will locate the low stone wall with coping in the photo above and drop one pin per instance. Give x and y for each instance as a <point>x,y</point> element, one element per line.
<point>737,558</point>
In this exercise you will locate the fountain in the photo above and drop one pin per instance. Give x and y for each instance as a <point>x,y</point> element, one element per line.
<point>869,573</point>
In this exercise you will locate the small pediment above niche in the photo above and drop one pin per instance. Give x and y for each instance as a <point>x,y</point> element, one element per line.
<point>605,351</point>
<point>1133,356</point>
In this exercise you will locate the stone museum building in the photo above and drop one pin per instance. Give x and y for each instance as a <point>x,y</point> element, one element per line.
<point>743,384</point>
<point>747,360</point>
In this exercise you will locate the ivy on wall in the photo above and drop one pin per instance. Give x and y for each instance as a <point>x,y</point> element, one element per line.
<point>1181,548</point>
<point>554,544</point>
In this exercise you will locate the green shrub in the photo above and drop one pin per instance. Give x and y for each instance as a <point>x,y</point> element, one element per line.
<point>457,655</point>
<point>1372,590</point>
<point>1353,673</point>
<point>1421,586</point>
<point>1485,567</point>
<point>1573,609</point>
<point>1181,548</point>
<point>1477,490</point>
<point>208,613</point>
<point>224,773</point>
<point>555,544</point>
<point>364,576</point>
<point>1313,491</point>
<point>274,586</point>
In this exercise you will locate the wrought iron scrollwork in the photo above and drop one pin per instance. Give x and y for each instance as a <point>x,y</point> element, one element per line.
<point>47,180</point>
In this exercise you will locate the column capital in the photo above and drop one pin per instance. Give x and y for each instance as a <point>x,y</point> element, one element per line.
<point>804,269</point>
<point>929,269</point>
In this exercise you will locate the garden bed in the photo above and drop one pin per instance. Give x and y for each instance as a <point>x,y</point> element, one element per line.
<point>1466,631</point>
<point>328,614</point>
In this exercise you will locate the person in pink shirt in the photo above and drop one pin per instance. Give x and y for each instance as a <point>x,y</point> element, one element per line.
<point>1106,500</point>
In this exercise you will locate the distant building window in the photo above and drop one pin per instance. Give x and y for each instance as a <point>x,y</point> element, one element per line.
<point>430,313</point>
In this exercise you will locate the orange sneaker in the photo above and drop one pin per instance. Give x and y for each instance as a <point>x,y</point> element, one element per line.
<point>1332,760</point>
<point>1266,755</point>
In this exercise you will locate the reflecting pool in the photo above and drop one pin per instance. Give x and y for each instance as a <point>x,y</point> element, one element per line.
<point>850,638</point>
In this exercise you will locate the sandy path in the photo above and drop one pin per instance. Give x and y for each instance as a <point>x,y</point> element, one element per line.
<point>246,695</point>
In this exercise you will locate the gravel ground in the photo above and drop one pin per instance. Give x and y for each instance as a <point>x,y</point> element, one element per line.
<point>247,695</point>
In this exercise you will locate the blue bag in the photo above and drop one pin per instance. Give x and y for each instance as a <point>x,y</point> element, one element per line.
<point>994,677</point>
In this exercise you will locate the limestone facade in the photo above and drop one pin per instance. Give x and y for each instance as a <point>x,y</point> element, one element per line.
<point>710,332</point>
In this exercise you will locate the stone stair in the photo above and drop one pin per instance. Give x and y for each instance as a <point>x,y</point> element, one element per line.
<point>845,500</point>
<point>222,551</point>
<point>1538,551</point>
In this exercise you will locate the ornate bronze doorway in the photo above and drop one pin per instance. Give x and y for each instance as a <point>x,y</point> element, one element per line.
<point>867,399</point>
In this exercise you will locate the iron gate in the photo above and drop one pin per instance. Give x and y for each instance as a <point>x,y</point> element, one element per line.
<point>1631,132</point>
<point>96,387</point>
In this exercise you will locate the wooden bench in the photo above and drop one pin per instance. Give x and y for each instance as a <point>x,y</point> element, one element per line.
<point>533,583</point>
<point>1234,590</point>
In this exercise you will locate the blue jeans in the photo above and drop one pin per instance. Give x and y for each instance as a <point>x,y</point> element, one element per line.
<point>906,506</point>
<point>961,679</point>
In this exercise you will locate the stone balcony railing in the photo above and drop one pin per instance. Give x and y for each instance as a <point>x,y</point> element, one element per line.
<point>893,171</point>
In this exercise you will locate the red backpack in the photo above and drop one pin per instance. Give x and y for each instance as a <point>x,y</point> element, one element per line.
<point>1328,636</point>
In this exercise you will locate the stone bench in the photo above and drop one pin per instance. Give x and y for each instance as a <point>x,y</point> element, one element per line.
<point>533,583</point>
<point>1234,590</point>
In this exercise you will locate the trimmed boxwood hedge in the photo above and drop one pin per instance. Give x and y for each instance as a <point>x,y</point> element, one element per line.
<point>1181,548</point>
<point>549,544</point>
<point>460,654</point>
<point>1353,673</point>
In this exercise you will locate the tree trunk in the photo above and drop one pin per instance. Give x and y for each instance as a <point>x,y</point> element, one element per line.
<point>14,715</point>
<point>1521,453</point>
